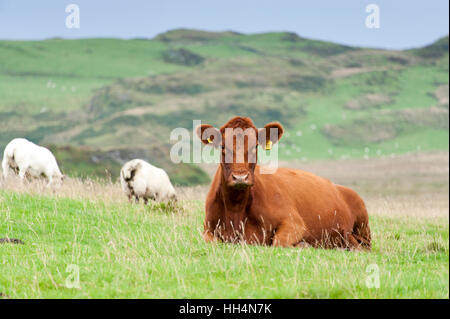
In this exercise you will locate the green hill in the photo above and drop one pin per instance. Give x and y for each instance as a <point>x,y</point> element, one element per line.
<point>110,96</point>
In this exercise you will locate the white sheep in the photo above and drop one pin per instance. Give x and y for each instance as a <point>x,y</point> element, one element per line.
<point>28,158</point>
<point>140,179</point>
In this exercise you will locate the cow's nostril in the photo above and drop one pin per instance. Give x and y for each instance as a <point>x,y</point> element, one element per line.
<point>240,178</point>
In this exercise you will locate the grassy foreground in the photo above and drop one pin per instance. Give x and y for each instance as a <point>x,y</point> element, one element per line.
<point>129,251</point>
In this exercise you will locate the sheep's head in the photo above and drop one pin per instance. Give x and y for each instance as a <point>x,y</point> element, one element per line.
<point>58,180</point>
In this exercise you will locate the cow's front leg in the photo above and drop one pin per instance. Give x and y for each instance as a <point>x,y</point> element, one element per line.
<point>211,231</point>
<point>208,236</point>
<point>289,233</point>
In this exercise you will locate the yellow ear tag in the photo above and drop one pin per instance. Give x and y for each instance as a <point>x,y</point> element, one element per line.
<point>268,145</point>
<point>210,140</point>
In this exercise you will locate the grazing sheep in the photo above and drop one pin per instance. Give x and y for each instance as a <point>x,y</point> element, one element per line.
<point>143,180</point>
<point>25,157</point>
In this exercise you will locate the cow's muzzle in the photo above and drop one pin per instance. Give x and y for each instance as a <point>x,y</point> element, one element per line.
<point>240,181</point>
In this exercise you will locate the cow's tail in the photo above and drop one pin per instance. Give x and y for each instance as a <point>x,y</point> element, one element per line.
<point>361,229</point>
<point>361,232</point>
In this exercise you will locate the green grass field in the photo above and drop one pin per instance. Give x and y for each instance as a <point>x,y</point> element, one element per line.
<point>364,118</point>
<point>130,251</point>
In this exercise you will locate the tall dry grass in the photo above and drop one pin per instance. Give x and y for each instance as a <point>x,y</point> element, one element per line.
<point>408,185</point>
<point>89,189</point>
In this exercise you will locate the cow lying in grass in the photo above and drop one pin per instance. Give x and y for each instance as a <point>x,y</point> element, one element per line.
<point>27,158</point>
<point>140,179</point>
<point>288,208</point>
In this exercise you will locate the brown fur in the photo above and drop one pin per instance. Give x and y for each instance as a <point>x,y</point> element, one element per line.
<point>288,208</point>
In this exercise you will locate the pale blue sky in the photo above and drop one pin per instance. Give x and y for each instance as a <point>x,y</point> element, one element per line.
<point>404,24</point>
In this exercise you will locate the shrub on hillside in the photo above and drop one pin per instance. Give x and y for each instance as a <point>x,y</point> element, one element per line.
<point>182,57</point>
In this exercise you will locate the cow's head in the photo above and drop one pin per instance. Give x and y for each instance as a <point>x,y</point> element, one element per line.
<point>238,140</point>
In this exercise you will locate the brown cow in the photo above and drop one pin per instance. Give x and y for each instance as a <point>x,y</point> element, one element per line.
<point>288,208</point>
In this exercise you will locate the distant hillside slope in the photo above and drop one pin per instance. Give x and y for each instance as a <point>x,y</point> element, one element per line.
<point>118,96</point>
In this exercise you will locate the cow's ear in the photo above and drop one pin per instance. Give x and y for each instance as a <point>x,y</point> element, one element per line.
<point>270,134</point>
<point>208,134</point>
